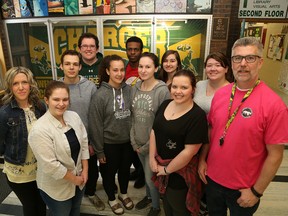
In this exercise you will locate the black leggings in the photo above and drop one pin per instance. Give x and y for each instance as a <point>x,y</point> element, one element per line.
<point>118,160</point>
<point>29,196</point>
<point>93,176</point>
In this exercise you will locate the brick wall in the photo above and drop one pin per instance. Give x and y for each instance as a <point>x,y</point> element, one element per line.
<point>226,8</point>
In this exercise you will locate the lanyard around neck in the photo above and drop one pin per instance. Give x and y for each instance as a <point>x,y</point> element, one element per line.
<point>232,117</point>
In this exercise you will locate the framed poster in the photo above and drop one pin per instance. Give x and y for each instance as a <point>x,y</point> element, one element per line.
<point>276,47</point>
<point>220,28</point>
<point>169,6</point>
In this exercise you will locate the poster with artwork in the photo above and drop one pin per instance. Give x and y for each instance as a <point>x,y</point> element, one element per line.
<point>276,47</point>
<point>7,8</point>
<point>71,7</point>
<point>17,8</point>
<point>170,6</point>
<point>40,8</point>
<point>145,6</point>
<point>199,6</point>
<point>102,6</point>
<point>24,9</point>
<point>125,6</point>
<point>56,7</point>
<point>85,6</point>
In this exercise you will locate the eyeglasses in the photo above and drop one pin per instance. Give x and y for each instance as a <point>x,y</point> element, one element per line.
<point>248,58</point>
<point>92,47</point>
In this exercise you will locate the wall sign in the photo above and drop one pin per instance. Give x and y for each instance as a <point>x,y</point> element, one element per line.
<point>220,28</point>
<point>276,9</point>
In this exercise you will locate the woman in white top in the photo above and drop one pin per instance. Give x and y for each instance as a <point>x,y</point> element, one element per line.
<point>59,142</point>
<point>218,71</point>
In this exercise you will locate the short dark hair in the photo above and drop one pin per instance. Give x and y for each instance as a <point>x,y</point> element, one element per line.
<point>71,52</point>
<point>224,61</point>
<point>54,84</point>
<point>105,64</point>
<point>135,39</point>
<point>152,56</point>
<point>88,35</point>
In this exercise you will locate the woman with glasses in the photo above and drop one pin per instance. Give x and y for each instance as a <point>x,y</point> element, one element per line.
<point>21,109</point>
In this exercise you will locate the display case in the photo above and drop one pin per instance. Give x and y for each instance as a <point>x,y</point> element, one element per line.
<point>38,43</point>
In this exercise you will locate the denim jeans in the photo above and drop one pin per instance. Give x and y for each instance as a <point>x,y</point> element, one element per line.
<point>220,198</point>
<point>151,190</point>
<point>70,207</point>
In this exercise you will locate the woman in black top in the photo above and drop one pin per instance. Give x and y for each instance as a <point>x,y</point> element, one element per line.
<point>179,130</point>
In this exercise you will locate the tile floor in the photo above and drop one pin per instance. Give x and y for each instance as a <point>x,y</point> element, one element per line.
<point>273,203</point>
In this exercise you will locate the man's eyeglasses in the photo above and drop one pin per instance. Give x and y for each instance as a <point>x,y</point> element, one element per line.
<point>92,47</point>
<point>248,58</point>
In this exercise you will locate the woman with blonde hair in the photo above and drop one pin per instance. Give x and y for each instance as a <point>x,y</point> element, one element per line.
<point>21,108</point>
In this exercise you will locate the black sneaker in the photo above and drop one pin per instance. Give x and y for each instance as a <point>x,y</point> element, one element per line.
<point>143,203</point>
<point>133,175</point>
<point>139,183</point>
<point>154,212</point>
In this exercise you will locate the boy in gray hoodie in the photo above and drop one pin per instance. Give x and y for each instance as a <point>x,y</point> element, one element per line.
<point>81,91</point>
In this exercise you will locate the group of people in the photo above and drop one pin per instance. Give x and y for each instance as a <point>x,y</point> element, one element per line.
<point>212,142</point>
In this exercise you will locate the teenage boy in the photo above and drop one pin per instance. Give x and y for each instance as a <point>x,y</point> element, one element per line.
<point>88,45</point>
<point>81,91</point>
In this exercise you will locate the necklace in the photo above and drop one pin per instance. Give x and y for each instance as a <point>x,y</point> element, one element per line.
<point>181,111</point>
<point>29,115</point>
